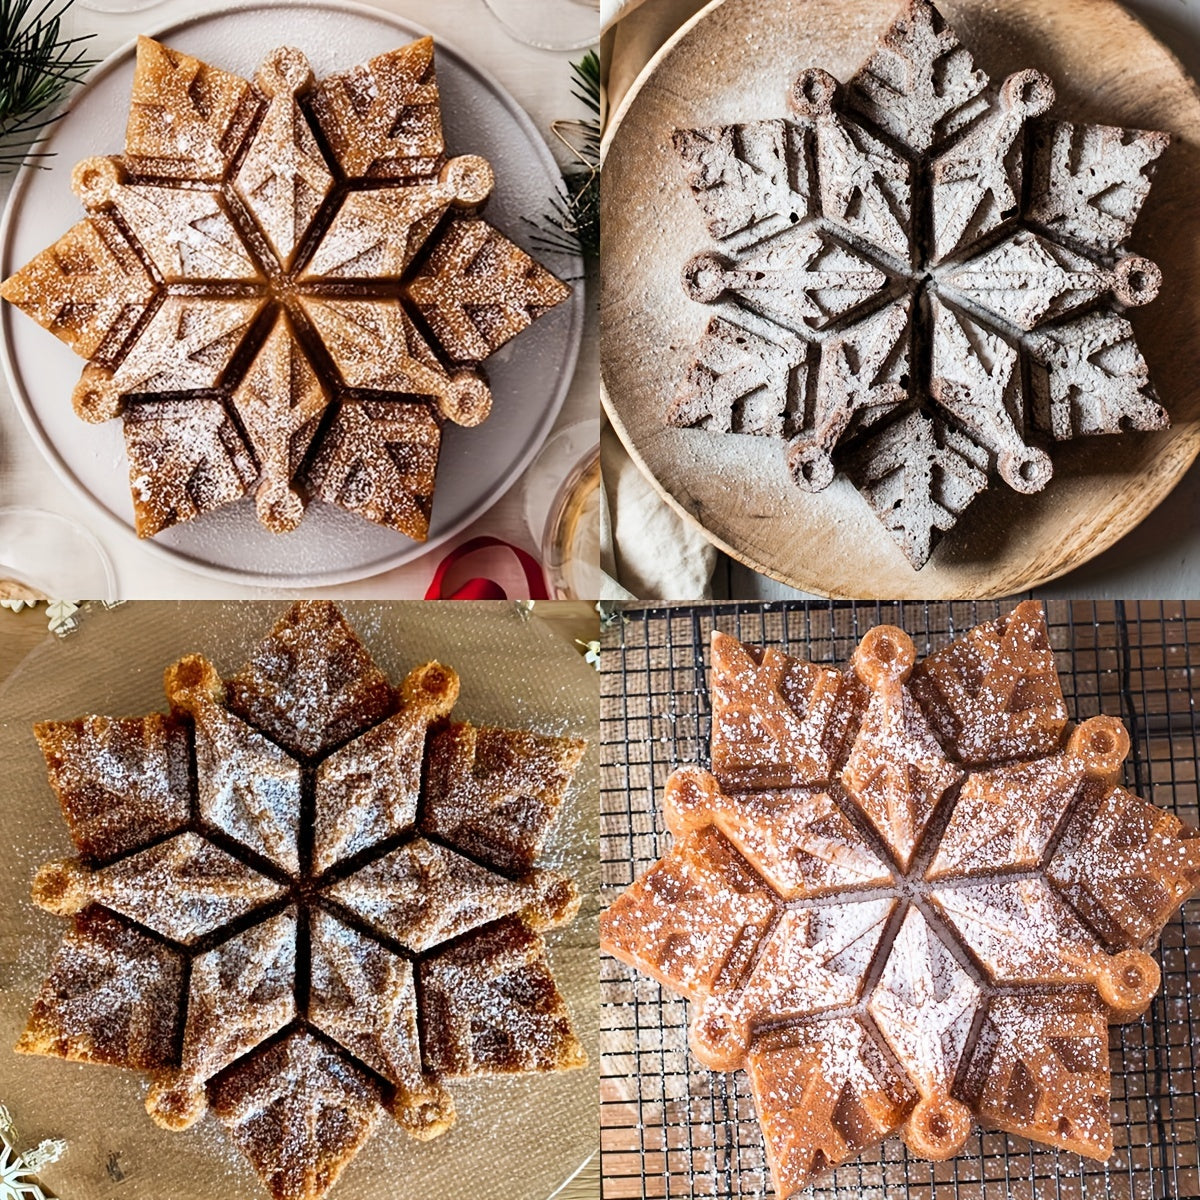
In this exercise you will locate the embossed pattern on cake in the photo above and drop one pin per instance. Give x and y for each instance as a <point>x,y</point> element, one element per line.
<point>253,277</point>
<point>276,917</point>
<point>921,280</point>
<point>908,897</point>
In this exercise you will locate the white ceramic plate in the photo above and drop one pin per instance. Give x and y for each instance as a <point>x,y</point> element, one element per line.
<point>529,377</point>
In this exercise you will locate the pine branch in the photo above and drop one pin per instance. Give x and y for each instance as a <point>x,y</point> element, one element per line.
<point>573,223</point>
<point>37,66</point>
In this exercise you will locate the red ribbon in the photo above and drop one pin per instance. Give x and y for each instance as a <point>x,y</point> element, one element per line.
<point>486,589</point>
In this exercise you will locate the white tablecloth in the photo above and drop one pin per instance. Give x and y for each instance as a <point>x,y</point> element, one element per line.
<point>540,82</point>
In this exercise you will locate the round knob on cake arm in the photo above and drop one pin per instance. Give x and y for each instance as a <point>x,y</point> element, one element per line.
<point>885,655</point>
<point>718,1037</point>
<point>176,1099</point>
<point>813,93</point>
<point>1136,280</point>
<point>554,900</point>
<point>1101,744</point>
<point>1029,92</point>
<point>1127,982</point>
<point>192,680</point>
<point>62,887</point>
<point>467,399</point>
<point>279,507</point>
<point>96,398</point>
<point>424,1112</point>
<point>691,799</point>
<point>705,277</point>
<point>470,178</point>
<point>285,71</point>
<point>938,1126</point>
<point>810,464</point>
<point>96,180</point>
<point>432,688</point>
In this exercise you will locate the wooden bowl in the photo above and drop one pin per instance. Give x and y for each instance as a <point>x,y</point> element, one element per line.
<point>735,61</point>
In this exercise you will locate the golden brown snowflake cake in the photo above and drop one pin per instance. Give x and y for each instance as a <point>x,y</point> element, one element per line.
<point>284,287</point>
<point>275,914</point>
<point>908,897</point>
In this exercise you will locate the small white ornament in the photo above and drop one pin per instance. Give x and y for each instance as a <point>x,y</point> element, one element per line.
<point>17,1170</point>
<point>61,616</point>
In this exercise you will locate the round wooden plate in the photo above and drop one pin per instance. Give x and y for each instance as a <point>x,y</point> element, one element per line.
<point>735,61</point>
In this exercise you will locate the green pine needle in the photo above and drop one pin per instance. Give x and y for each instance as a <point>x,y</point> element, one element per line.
<point>37,66</point>
<point>573,223</point>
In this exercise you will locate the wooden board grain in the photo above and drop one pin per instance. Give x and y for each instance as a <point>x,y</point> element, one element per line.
<point>736,61</point>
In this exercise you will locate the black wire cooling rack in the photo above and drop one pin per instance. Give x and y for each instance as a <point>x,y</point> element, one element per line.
<point>670,1128</point>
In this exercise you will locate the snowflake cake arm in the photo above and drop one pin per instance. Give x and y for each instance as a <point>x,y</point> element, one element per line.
<point>187,120</point>
<point>778,721</point>
<point>239,994</point>
<point>803,279</point>
<point>741,381</point>
<point>1088,376</point>
<point>812,961</point>
<point>112,995</point>
<point>283,179</point>
<point>494,793</point>
<point>1089,182</point>
<point>797,839</point>
<point>864,186</point>
<point>279,401</point>
<point>490,1006</point>
<point>861,381</point>
<point>478,290</point>
<point>368,791</point>
<point>897,773</point>
<point>186,458</point>
<point>994,693</point>
<point>1008,816</point>
<point>976,379</point>
<point>379,459</point>
<point>299,1112</point>
<point>694,919</point>
<point>750,181</point>
<point>1022,933</point>
<point>364,996</point>
<point>921,85</point>
<point>89,289</point>
<point>1125,866</point>
<point>976,183</point>
<point>121,782</point>
<point>186,234</point>
<point>382,120</point>
<point>919,475</point>
<point>310,684</point>
<point>181,889</point>
<point>824,1092</point>
<point>924,1007</point>
<point>1040,1069</point>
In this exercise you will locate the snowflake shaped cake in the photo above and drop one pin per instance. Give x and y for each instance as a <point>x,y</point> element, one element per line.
<point>305,899</point>
<point>922,280</point>
<point>908,897</point>
<point>284,286</point>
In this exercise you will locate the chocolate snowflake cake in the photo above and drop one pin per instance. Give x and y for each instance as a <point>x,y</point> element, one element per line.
<point>921,280</point>
<point>304,900</point>
<point>908,897</point>
<point>284,286</point>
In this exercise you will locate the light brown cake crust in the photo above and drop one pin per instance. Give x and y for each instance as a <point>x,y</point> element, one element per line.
<point>920,906</point>
<point>273,913</point>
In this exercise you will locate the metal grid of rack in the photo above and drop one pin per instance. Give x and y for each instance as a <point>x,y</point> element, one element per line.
<point>672,1130</point>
